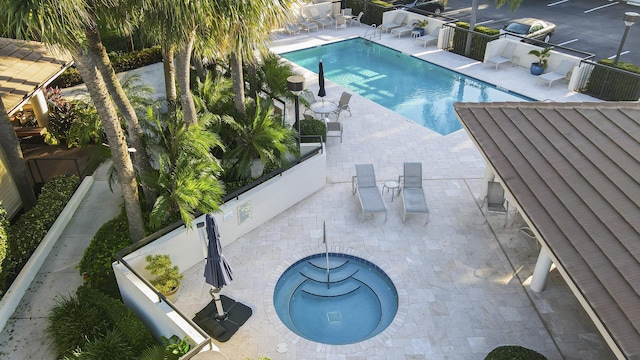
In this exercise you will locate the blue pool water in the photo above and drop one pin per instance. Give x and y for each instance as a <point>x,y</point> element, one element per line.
<point>359,303</point>
<point>414,88</point>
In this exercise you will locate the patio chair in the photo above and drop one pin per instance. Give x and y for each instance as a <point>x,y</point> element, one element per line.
<point>364,184</point>
<point>395,23</point>
<point>428,38</point>
<point>341,22</point>
<point>343,104</point>
<point>334,129</point>
<point>413,200</point>
<point>309,98</point>
<point>504,57</point>
<point>495,201</point>
<point>560,72</point>
<point>316,18</point>
<point>357,19</point>
<point>407,29</point>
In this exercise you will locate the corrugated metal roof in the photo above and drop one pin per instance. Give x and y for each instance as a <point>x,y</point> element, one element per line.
<point>26,66</point>
<point>574,170</point>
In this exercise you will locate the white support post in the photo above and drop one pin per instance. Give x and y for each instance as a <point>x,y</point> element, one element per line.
<point>540,273</point>
<point>489,175</point>
<point>40,108</point>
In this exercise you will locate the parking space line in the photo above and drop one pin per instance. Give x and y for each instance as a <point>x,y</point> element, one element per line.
<point>557,2</point>
<point>600,7</point>
<point>567,42</point>
<point>622,53</point>
<point>484,22</point>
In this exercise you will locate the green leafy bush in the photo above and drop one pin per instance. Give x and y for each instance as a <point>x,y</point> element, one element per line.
<point>91,325</point>
<point>313,128</point>
<point>120,62</point>
<point>607,83</point>
<point>96,261</point>
<point>4,226</point>
<point>513,352</point>
<point>27,233</point>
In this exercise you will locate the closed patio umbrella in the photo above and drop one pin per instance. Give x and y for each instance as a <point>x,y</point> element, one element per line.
<point>321,92</point>
<point>217,271</point>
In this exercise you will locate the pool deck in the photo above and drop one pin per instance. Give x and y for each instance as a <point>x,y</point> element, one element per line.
<point>461,283</point>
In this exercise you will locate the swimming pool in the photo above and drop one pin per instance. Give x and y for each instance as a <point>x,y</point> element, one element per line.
<point>414,88</point>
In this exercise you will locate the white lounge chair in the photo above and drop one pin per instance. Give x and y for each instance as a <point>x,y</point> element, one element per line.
<point>395,23</point>
<point>504,57</point>
<point>413,200</point>
<point>407,29</point>
<point>324,21</point>
<point>560,72</point>
<point>428,38</point>
<point>292,29</point>
<point>364,184</point>
<point>308,25</point>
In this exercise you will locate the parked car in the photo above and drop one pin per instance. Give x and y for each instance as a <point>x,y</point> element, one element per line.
<point>433,6</point>
<point>530,28</point>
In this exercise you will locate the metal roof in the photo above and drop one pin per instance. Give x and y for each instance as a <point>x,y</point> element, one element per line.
<point>26,67</point>
<point>574,170</point>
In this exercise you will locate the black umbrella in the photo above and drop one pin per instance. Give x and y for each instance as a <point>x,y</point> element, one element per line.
<point>322,93</point>
<point>217,271</point>
<point>343,4</point>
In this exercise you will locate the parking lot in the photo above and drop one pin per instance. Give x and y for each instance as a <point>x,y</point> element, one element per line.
<point>593,26</point>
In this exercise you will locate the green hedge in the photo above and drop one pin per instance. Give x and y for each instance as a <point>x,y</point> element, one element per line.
<point>95,264</point>
<point>120,62</point>
<point>606,83</point>
<point>4,227</point>
<point>313,127</point>
<point>513,352</point>
<point>91,325</point>
<point>481,36</point>
<point>27,233</point>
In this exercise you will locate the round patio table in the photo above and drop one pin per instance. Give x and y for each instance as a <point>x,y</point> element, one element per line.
<point>324,108</point>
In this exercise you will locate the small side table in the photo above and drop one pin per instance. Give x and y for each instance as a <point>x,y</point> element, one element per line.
<point>391,185</point>
<point>415,34</point>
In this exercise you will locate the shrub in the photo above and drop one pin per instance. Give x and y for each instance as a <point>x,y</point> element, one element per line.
<point>4,226</point>
<point>478,41</point>
<point>120,63</point>
<point>27,233</point>
<point>91,325</point>
<point>61,116</point>
<point>607,83</point>
<point>513,352</point>
<point>96,261</point>
<point>313,128</point>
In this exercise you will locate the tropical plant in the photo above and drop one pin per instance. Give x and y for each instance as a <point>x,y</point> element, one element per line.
<point>61,116</point>
<point>542,55</point>
<point>187,176</point>
<point>4,227</point>
<point>87,128</point>
<point>273,74</point>
<point>166,278</point>
<point>420,24</point>
<point>258,135</point>
<point>172,348</point>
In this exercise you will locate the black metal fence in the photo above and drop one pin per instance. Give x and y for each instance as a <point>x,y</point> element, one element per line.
<point>456,38</point>
<point>608,83</point>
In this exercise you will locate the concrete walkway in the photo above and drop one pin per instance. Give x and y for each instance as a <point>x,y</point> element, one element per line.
<point>24,336</point>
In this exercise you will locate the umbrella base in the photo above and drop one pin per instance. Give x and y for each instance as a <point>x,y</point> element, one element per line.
<point>236,314</point>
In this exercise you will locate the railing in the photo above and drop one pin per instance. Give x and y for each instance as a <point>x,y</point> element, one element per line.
<point>374,31</point>
<point>31,163</point>
<point>455,41</point>
<point>326,250</point>
<point>608,83</point>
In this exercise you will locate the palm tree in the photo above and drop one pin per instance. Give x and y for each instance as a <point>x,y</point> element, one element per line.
<point>63,23</point>
<point>187,173</point>
<point>10,147</point>
<point>258,136</point>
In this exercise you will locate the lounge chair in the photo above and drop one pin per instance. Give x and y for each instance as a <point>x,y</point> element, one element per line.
<point>292,29</point>
<point>364,183</point>
<point>316,18</point>
<point>413,200</point>
<point>559,73</point>
<point>395,23</point>
<point>428,38</point>
<point>504,57</point>
<point>343,104</point>
<point>495,201</point>
<point>341,22</point>
<point>407,29</point>
<point>308,25</point>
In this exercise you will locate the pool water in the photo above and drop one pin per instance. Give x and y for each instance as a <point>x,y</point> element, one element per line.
<point>414,88</point>
<point>359,303</point>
